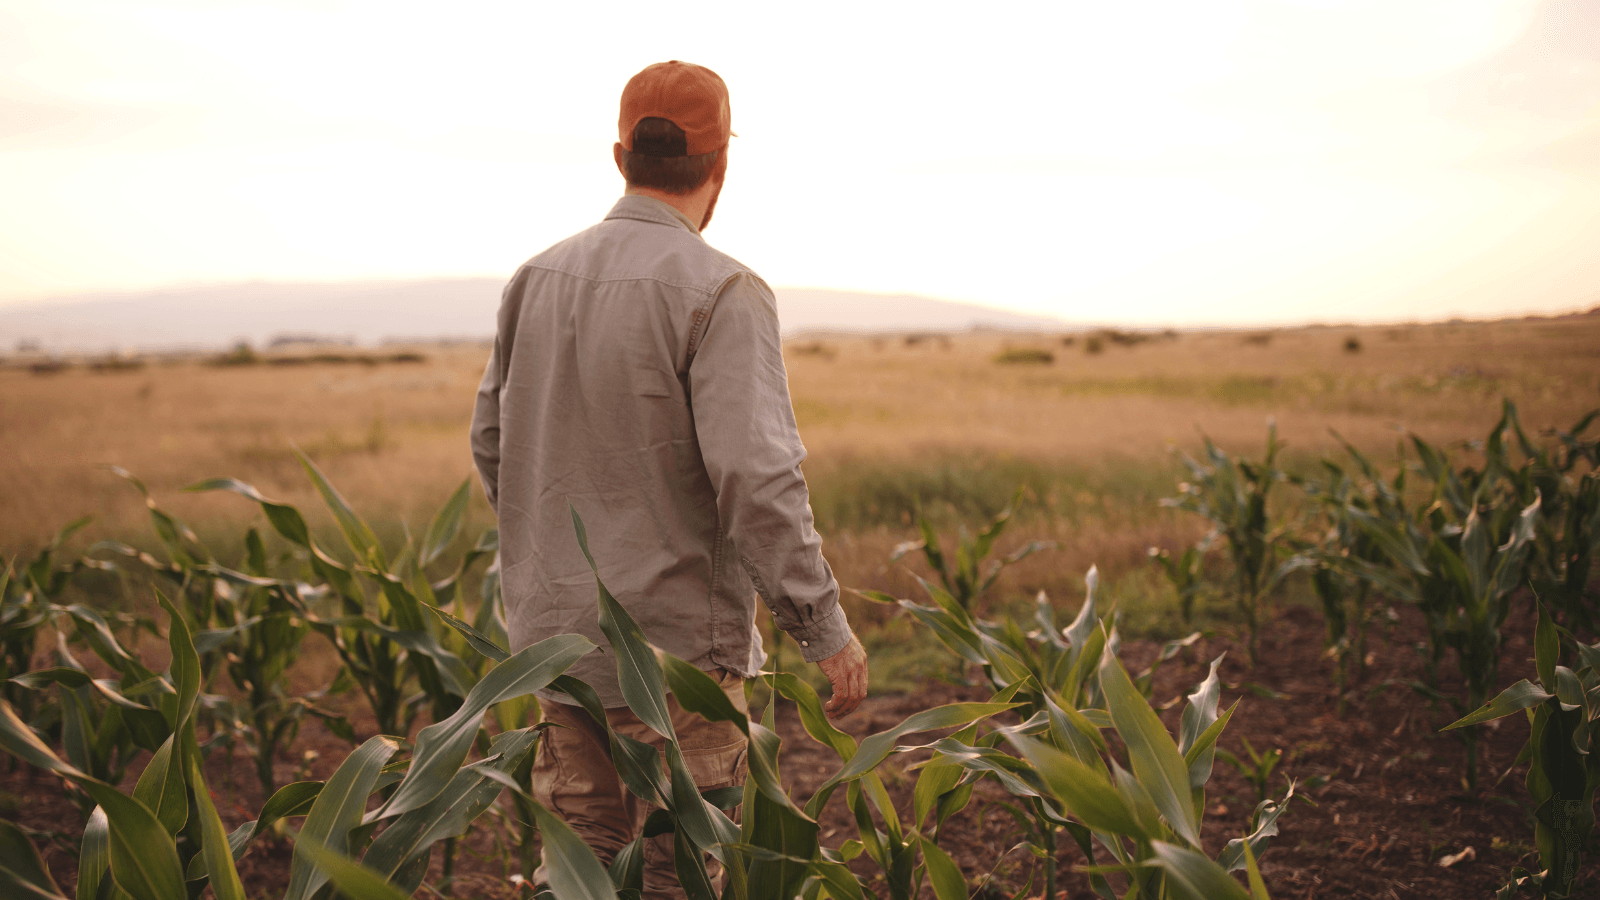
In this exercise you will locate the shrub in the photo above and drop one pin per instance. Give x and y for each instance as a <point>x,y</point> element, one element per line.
<point>1025,356</point>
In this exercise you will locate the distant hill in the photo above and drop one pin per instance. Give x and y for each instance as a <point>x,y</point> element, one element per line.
<point>373,312</point>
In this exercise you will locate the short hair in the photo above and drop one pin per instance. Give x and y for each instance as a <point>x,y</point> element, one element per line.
<point>659,159</point>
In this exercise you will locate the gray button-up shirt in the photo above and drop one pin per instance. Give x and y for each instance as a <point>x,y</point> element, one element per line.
<point>637,374</point>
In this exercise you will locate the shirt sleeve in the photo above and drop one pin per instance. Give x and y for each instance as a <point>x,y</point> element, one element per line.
<point>486,428</point>
<point>739,393</point>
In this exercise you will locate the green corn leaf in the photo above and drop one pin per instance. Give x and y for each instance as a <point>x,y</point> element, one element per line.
<point>638,764</point>
<point>214,849</point>
<point>161,787</point>
<point>638,673</point>
<point>699,693</point>
<point>337,809</point>
<point>1018,778</point>
<point>77,730</point>
<point>443,746</point>
<point>21,864</point>
<point>1589,654</point>
<point>779,829</point>
<point>627,868</point>
<point>16,885</point>
<point>285,519</point>
<point>1258,887</point>
<point>876,749</point>
<point>698,821</point>
<point>1266,818</point>
<point>812,718</point>
<point>1565,814</point>
<point>949,629</point>
<point>1083,791</point>
<point>185,668</point>
<point>839,880</point>
<point>94,855</point>
<point>354,881</point>
<point>930,547</point>
<point>1201,757</point>
<point>762,756</point>
<point>1085,661</point>
<point>1191,876</point>
<point>39,679</point>
<point>409,837</point>
<point>445,526</point>
<point>575,872</point>
<point>943,873</point>
<point>1072,731</point>
<point>946,601</point>
<point>1509,572</point>
<point>936,779</point>
<point>1156,761</point>
<point>1546,649</point>
<point>290,800</point>
<point>356,532</point>
<point>1138,801</point>
<point>1087,621</point>
<point>1568,688</point>
<point>1475,553</point>
<point>479,641</point>
<point>1521,695</point>
<point>97,634</point>
<point>144,859</point>
<point>644,689</point>
<point>1202,708</point>
<point>689,863</point>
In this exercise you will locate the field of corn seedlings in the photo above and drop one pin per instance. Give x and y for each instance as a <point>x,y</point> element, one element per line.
<point>302,698</point>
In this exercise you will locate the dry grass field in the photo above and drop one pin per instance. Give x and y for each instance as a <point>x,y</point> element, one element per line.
<point>894,425</point>
<point>898,427</point>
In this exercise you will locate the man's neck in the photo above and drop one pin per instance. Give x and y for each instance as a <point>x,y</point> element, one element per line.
<point>693,205</point>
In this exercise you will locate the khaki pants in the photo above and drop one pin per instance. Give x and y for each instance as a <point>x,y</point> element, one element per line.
<point>574,778</point>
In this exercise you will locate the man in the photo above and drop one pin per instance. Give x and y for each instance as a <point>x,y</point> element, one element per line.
<point>637,375</point>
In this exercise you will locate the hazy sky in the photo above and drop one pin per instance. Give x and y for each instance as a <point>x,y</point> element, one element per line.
<point>1143,163</point>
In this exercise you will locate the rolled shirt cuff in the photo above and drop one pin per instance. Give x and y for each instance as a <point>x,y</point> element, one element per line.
<point>822,638</point>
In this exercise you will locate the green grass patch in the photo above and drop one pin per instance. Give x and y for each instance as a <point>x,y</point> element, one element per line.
<point>868,493</point>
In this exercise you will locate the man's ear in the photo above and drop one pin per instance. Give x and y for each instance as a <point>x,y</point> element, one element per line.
<point>616,154</point>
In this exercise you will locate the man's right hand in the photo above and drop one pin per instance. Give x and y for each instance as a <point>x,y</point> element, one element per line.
<point>847,672</point>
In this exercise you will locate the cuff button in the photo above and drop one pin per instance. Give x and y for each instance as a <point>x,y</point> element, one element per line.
<point>805,643</point>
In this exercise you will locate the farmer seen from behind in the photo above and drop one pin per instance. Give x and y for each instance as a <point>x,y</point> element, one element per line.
<point>637,376</point>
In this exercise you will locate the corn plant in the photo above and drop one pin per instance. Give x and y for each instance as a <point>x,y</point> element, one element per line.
<point>103,724</point>
<point>380,618</point>
<point>1343,553</point>
<point>244,623</point>
<point>1461,559</point>
<point>1144,815</point>
<point>1058,679</point>
<point>166,841</point>
<point>1562,754</point>
<point>26,604</point>
<point>1232,492</point>
<point>1258,771</point>
<point>965,578</point>
<point>1567,539</point>
<point>1185,572</point>
<point>775,851</point>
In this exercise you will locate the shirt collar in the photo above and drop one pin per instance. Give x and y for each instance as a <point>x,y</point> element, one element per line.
<point>649,209</point>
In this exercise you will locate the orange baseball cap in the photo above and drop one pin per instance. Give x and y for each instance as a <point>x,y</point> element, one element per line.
<point>689,96</point>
